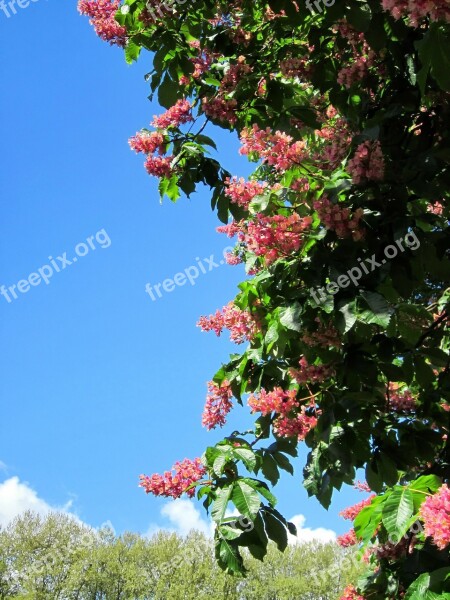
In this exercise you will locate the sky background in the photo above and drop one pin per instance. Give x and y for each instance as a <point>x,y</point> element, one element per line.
<point>98,382</point>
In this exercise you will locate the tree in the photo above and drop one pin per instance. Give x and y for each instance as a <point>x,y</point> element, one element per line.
<point>99,565</point>
<point>343,229</point>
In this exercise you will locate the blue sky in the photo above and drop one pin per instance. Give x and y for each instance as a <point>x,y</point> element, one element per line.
<point>100,383</point>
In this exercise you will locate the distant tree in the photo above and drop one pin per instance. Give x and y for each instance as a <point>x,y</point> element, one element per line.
<point>58,558</point>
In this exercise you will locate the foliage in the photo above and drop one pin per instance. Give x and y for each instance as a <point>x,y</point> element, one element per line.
<point>343,229</point>
<point>57,558</point>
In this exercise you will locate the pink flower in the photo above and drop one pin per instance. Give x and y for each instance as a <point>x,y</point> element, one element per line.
<point>325,336</point>
<point>218,405</point>
<point>358,69</point>
<point>230,230</point>
<point>435,513</point>
<point>352,512</point>
<point>436,208</point>
<point>159,166</point>
<point>241,323</point>
<point>311,373</point>
<point>347,539</point>
<point>401,401</point>
<point>101,13</point>
<point>367,163</point>
<point>220,109</point>
<point>147,142</point>
<point>362,486</point>
<point>298,425</point>
<point>277,401</point>
<point>350,593</point>
<point>174,484</point>
<point>417,10</point>
<point>338,218</point>
<point>274,237</point>
<point>242,192</point>
<point>177,115</point>
<point>276,149</point>
<point>232,259</point>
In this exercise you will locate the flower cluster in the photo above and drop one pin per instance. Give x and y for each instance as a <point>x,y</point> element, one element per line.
<point>334,139</point>
<point>101,13</point>
<point>436,208</point>
<point>174,483</point>
<point>274,237</point>
<point>362,486</point>
<point>292,419</point>
<point>275,149</point>
<point>350,593</point>
<point>358,69</point>
<point>352,512</point>
<point>148,143</point>
<point>234,74</point>
<point>435,513</point>
<point>338,218</point>
<point>277,401</point>
<point>400,401</point>
<point>295,67</point>
<point>220,109</point>
<point>325,336</point>
<point>298,425</point>
<point>311,373</point>
<point>218,405</point>
<point>242,192</point>
<point>417,10</point>
<point>159,166</point>
<point>347,539</point>
<point>177,115</point>
<point>241,324</point>
<point>367,163</point>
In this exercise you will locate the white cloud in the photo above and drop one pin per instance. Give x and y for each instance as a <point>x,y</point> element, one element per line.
<point>185,516</point>
<point>17,497</point>
<point>306,534</point>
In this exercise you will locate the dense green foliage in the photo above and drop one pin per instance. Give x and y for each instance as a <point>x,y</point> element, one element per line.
<point>57,558</point>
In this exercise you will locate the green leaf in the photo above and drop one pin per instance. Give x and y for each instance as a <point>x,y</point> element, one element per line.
<point>276,528</point>
<point>397,511</point>
<point>290,317</point>
<point>219,506</point>
<point>380,311</point>
<point>247,456</point>
<point>262,489</point>
<point>205,140</point>
<point>283,462</point>
<point>369,519</point>
<point>132,51</point>
<point>429,586</point>
<point>219,464</point>
<point>440,57</point>
<point>168,92</point>
<point>228,556</point>
<point>270,469</point>
<point>245,499</point>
